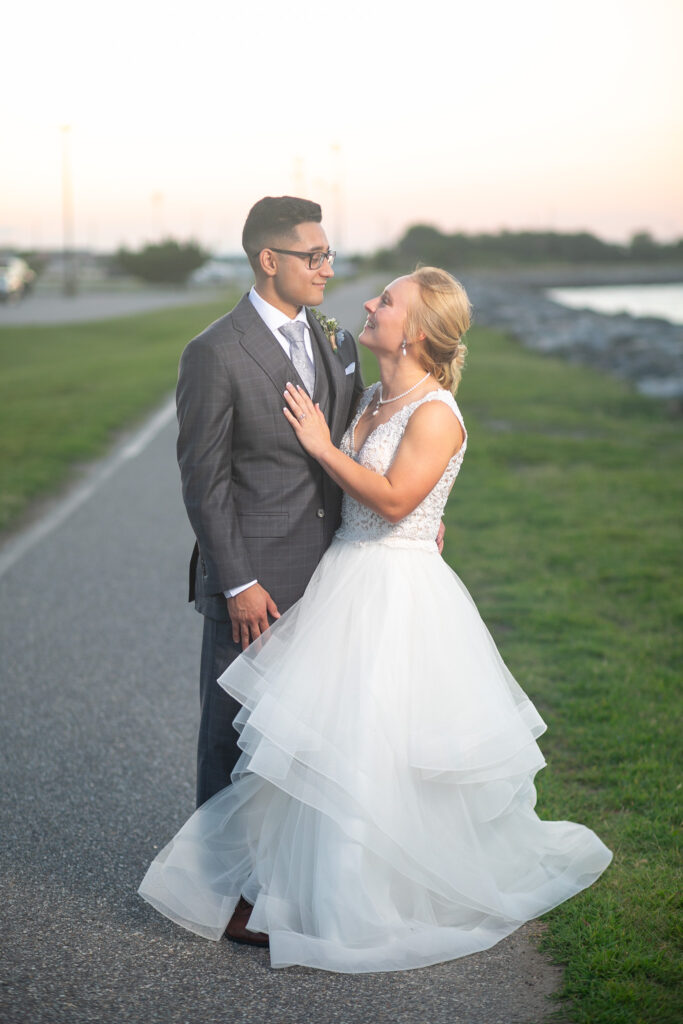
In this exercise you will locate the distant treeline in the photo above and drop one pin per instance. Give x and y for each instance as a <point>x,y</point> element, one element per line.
<point>169,261</point>
<point>426,244</point>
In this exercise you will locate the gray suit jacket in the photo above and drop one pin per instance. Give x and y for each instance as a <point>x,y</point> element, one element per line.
<point>260,507</point>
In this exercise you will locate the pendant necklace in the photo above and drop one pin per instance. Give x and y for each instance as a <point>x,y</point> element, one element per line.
<point>387,401</point>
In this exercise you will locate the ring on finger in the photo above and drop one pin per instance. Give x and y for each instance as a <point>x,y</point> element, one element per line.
<point>302,417</point>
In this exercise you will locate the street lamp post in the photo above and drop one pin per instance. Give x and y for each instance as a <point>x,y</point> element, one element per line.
<point>338,197</point>
<point>68,257</point>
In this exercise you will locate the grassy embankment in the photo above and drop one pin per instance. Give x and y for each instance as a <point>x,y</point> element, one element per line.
<point>563,524</point>
<point>65,390</point>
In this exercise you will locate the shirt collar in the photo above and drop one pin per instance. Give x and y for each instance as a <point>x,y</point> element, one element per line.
<point>273,318</point>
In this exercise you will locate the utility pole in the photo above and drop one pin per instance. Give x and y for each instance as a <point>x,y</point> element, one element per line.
<point>338,197</point>
<point>68,256</point>
<point>158,230</point>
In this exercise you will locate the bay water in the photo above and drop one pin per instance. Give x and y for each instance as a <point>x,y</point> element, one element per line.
<point>659,300</point>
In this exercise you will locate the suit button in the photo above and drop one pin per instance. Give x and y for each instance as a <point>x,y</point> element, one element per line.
<point>320,513</point>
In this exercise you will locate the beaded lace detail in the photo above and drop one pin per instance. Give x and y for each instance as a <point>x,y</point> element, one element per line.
<point>359,523</point>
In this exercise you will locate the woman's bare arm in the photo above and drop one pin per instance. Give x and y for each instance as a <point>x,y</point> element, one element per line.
<point>432,437</point>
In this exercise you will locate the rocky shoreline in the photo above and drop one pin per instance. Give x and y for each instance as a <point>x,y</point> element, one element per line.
<point>647,351</point>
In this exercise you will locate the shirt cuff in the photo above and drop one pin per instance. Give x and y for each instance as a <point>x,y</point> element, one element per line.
<point>238,590</point>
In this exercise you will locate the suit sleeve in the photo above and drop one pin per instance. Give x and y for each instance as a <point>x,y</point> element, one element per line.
<point>205,407</point>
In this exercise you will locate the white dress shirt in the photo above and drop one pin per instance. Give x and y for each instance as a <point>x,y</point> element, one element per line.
<point>274,319</point>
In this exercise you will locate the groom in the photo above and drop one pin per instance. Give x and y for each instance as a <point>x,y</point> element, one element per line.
<point>263,512</point>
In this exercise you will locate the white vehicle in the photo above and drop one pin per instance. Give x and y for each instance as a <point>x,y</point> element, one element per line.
<point>16,277</point>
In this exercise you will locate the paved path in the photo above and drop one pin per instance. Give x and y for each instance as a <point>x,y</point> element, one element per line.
<point>99,711</point>
<point>51,307</point>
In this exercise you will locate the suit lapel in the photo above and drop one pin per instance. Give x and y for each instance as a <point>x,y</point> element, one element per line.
<point>257,340</point>
<point>333,365</point>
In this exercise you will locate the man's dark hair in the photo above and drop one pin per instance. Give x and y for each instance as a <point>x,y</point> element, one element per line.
<point>271,218</point>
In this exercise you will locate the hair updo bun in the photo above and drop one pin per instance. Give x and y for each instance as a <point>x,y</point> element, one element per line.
<point>443,314</point>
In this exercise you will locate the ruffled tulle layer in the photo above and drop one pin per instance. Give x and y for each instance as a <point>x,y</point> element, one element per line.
<point>381,815</point>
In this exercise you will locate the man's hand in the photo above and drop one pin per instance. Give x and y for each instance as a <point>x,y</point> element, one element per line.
<point>249,612</point>
<point>440,536</point>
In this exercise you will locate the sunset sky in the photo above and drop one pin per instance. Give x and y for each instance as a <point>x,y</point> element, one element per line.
<point>472,116</point>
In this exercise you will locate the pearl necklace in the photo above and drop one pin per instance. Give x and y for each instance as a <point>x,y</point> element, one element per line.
<point>387,401</point>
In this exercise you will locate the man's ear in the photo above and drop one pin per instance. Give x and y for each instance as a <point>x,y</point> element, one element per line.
<point>268,262</point>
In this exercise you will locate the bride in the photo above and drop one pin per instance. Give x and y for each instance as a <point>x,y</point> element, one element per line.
<point>381,816</point>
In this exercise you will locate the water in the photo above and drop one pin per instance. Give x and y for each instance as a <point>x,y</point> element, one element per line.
<point>661,300</point>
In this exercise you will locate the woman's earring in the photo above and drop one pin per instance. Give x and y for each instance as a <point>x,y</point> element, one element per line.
<point>404,347</point>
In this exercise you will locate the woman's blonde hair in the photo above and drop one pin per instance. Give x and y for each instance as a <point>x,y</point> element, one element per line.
<point>442,314</point>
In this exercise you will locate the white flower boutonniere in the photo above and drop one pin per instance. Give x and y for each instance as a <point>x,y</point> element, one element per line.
<point>333,331</point>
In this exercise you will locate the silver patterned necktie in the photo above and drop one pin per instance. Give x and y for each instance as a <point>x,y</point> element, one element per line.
<point>294,333</point>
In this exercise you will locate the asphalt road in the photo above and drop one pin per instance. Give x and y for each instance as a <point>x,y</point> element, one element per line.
<point>99,667</point>
<point>50,306</point>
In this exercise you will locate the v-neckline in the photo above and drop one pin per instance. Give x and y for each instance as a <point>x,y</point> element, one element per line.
<point>357,451</point>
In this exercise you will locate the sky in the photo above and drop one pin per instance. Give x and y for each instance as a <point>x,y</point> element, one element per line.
<point>477,116</point>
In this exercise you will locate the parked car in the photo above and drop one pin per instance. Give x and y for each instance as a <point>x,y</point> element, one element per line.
<point>16,277</point>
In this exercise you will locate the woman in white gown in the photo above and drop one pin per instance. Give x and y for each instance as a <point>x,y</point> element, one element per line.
<point>381,816</point>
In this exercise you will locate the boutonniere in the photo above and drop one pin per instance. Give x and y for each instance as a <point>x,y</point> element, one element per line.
<point>333,331</point>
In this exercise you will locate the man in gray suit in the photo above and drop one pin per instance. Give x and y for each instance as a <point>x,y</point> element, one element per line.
<point>263,512</point>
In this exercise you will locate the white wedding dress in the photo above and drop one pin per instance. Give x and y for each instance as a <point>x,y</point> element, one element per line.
<point>381,815</point>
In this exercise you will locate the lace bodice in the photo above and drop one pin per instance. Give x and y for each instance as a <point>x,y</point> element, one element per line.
<point>360,523</point>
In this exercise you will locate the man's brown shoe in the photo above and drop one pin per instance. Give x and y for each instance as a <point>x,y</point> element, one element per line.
<point>237,930</point>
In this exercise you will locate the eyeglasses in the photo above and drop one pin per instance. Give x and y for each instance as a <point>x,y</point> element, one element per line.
<point>315,259</point>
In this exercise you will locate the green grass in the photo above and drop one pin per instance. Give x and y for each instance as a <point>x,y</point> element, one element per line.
<point>565,525</point>
<point>65,390</point>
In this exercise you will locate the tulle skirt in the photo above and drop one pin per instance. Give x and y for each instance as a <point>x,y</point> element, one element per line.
<point>381,816</point>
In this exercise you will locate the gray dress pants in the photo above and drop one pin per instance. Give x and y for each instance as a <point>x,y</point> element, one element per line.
<point>217,750</point>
